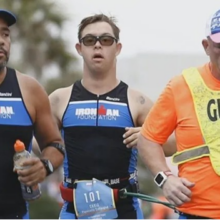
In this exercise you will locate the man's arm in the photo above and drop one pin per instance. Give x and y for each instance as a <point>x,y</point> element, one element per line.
<point>158,126</point>
<point>47,134</point>
<point>46,130</point>
<point>152,154</point>
<point>143,104</point>
<point>175,189</point>
<point>169,147</point>
<point>54,103</point>
<point>139,103</point>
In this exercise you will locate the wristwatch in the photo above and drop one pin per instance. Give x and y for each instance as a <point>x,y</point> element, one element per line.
<point>161,177</point>
<point>48,166</point>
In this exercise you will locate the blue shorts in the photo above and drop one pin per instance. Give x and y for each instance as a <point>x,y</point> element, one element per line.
<point>125,210</point>
<point>182,217</point>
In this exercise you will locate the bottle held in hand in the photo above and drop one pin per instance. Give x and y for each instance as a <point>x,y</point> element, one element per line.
<point>28,192</point>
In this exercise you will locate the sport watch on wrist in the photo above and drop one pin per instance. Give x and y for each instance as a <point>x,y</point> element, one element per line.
<point>48,166</point>
<point>161,177</point>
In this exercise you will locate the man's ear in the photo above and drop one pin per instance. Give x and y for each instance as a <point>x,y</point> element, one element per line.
<point>78,48</point>
<point>206,46</point>
<point>119,47</point>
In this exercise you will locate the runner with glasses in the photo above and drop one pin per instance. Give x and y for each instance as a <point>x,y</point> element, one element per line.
<point>100,119</point>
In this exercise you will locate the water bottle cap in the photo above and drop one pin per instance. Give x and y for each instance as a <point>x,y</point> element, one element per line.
<point>19,146</point>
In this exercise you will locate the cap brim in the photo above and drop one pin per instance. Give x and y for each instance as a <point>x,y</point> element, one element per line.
<point>215,37</point>
<point>8,17</point>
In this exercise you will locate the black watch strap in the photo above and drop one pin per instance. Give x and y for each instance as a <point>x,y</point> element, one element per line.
<point>48,166</point>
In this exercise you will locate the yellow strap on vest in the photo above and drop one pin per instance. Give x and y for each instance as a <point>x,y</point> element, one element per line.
<point>207,108</point>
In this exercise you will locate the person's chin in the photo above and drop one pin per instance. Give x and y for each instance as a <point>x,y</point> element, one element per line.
<point>98,69</point>
<point>3,63</point>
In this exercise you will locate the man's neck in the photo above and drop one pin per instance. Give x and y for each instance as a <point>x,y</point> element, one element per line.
<point>215,71</point>
<point>99,85</point>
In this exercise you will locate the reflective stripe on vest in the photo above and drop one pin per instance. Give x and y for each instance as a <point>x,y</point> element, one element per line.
<point>207,108</point>
<point>194,153</point>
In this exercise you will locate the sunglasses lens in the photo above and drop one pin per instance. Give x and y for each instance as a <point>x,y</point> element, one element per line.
<point>106,40</point>
<point>89,41</point>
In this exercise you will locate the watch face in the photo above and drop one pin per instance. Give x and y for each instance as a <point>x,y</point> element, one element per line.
<point>159,178</point>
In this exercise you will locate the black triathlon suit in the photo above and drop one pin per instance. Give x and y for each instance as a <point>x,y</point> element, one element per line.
<point>15,123</point>
<point>93,128</point>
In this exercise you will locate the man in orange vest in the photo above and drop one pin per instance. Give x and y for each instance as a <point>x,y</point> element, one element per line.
<point>190,106</point>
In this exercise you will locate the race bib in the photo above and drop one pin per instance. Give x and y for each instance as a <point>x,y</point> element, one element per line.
<point>93,199</point>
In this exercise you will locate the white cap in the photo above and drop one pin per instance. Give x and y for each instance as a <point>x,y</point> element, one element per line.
<point>213,27</point>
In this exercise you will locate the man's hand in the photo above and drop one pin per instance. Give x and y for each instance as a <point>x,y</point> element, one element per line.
<point>177,190</point>
<point>131,136</point>
<point>34,174</point>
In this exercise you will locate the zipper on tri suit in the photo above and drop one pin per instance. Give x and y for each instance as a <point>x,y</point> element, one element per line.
<point>97,112</point>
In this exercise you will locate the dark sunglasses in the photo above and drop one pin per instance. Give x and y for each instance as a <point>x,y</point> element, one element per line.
<point>103,40</point>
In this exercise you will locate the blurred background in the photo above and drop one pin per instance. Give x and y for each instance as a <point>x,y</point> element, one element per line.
<point>160,39</point>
